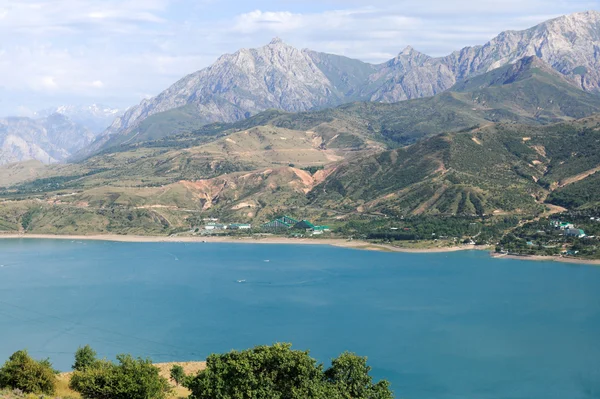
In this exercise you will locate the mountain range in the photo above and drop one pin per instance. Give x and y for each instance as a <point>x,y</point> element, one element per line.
<point>528,91</point>
<point>95,117</point>
<point>282,77</point>
<point>514,138</point>
<point>54,134</point>
<point>50,139</point>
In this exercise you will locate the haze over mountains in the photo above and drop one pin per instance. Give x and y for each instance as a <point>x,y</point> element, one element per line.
<point>279,76</point>
<point>96,117</point>
<point>53,135</point>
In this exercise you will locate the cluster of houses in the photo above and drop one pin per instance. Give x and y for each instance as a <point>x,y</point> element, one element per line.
<point>288,223</point>
<point>568,228</point>
<point>276,225</point>
<point>213,225</point>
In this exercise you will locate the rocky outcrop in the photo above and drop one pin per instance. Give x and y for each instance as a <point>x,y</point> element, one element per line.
<point>569,44</point>
<point>241,84</point>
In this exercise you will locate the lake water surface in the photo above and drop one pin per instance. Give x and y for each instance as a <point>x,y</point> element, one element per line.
<point>438,326</point>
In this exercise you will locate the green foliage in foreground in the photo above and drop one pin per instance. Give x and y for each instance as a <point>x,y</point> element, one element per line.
<point>129,379</point>
<point>278,372</point>
<point>28,375</point>
<point>177,374</point>
<point>84,357</point>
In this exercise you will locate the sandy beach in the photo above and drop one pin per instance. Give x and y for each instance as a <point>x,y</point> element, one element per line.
<point>541,258</point>
<point>337,242</point>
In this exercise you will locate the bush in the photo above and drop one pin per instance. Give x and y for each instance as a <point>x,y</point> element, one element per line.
<point>84,357</point>
<point>350,374</point>
<point>178,374</point>
<point>30,376</point>
<point>129,379</point>
<point>277,371</point>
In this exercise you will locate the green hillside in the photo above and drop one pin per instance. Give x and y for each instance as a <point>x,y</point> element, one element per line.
<point>485,148</point>
<point>248,176</point>
<point>505,168</point>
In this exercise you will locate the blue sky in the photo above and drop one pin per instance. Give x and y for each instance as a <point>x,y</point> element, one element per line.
<point>116,52</point>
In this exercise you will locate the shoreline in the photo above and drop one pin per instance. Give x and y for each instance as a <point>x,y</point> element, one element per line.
<point>336,242</point>
<point>542,258</point>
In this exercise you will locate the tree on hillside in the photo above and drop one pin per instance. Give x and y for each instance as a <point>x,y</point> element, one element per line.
<point>30,376</point>
<point>277,371</point>
<point>84,357</point>
<point>129,379</point>
<point>177,374</point>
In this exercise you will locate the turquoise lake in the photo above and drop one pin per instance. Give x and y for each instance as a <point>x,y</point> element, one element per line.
<point>437,326</point>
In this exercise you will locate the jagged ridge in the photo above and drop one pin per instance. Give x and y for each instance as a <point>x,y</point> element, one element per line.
<point>279,76</point>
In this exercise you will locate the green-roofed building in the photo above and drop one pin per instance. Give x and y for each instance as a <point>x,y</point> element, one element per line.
<point>276,225</point>
<point>304,225</point>
<point>284,222</point>
<point>288,220</point>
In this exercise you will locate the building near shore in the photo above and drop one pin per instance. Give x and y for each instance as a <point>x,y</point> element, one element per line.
<point>288,223</point>
<point>304,225</point>
<point>557,224</point>
<point>214,226</point>
<point>579,233</point>
<point>239,226</point>
<point>284,222</point>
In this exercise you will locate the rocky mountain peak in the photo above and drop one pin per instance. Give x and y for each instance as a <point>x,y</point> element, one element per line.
<point>282,77</point>
<point>584,16</point>
<point>276,41</point>
<point>408,58</point>
<point>408,50</point>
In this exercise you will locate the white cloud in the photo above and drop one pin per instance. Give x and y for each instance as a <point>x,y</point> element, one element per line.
<point>48,82</point>
<point>118,51</point>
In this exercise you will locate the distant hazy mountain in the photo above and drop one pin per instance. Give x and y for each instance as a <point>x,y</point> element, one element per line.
<point>279,76</point>
<point>50,139</point>
<point>95,117</point>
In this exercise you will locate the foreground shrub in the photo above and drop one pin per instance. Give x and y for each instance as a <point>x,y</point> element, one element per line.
<point>274,372</point>
<point>177,374</point>
<point>28,375</point>
<point>350,375</point>
<point>84,357</point>
<point>129,379</point>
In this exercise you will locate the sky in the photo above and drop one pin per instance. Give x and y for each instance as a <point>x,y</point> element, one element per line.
<point>117,52</point>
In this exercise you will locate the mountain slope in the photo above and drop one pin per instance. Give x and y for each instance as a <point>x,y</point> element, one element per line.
<point>94,117</point>
<point>529,91</point>
<point>279,76</point>
<point>239,85</point>
<point>498,169</point>
<point>50,139</point>
<point>531,88</point>
<point>568,44</point>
